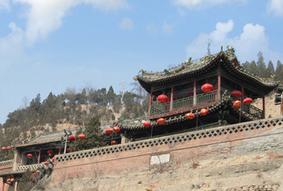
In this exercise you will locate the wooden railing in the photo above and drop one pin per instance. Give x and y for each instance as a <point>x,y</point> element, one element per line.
<point>182,104</point>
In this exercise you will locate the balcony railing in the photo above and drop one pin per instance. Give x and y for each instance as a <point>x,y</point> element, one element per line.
<point>183,104</point>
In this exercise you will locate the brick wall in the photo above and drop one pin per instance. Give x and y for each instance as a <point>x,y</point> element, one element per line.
<point>235,157</point>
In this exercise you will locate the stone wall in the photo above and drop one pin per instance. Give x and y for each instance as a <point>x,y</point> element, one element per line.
<point>247,156</point>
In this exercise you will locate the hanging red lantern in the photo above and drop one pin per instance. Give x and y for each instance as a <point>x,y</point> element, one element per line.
<point>236,93</point>
<point>81,136</point>
<point>8,148</point>
<point>161,121</point>
<point>206,88</point>
<point>72,138</point>
<point>29,155</point>
<point>190,115</point>
<point>237,104</point>
<point>146,124</point>
<point>203,112</point>
<point>162,98</point>
<point>113,142</point>
<point>3,148</point>
<point>116,129</point>
<point>108,131</point>
<point>248,100</point>
<point>49,152</point>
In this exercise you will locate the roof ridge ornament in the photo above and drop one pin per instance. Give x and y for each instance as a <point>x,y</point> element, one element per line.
<point>230,49</point>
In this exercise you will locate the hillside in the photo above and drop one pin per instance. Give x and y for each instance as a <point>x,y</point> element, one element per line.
<point>70,109</point>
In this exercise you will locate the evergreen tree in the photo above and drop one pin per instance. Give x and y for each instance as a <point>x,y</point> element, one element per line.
<point>94,136</point>
<point>246,65</point>
<point>35,103</point>
<point>82,97</point>
<point>253,68</point>
<point>111,95</point>
<point>279,71</point>
<point>261,67</point>
<point>270,69</point>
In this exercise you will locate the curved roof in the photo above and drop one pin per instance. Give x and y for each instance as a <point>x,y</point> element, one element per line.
<point>191,68</point>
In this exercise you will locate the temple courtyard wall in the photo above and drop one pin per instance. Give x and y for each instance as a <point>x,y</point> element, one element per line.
<point>246,156</point>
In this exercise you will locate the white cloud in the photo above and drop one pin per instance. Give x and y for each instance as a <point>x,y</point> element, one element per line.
<point>248,43</point>
<point>4,4</point>
<point>275,7</point>
<point>201,3</point>
<point>12,44</point>
<point>45,16</point>
<point>126,23</point>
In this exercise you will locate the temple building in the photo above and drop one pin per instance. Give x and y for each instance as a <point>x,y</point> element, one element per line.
<point>208,92</point>
<point>212,91</point>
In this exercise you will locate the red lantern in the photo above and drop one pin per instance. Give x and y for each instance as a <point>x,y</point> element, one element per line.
<point>206,88</point>
<point>82,136</point>
<point>161,121</point>
<point>116,129</point>
<point>146,124</point>
<point>49,152</point>
<point>113,142</point>
<point>162,98</point>
<point>236,93</point>
<point>29,155</point>
<point>237,104</point>
<point>203,112</point>
<point>8,148</point>
<point>72,138</point>
<point>190,116</point>
<point>248,100</point>
<point>108,131</point>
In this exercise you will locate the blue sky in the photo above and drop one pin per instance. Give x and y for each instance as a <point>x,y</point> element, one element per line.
<point>52,45</point>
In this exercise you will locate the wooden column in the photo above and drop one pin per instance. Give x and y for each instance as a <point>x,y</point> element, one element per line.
<point>16,186</point>
<point>123,139</point>
<point>195,93</point>
<point>6,187</point>
<point>149,102</point>
<point>263,106</point>
<point>240,114</point>
<point>218,84</point>
<point>2,184</point>
<point>171,98</point>
<point>38,157</point>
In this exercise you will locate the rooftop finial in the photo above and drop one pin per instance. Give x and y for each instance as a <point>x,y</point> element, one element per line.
<point>208,48</point>
<point>230,49</point>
